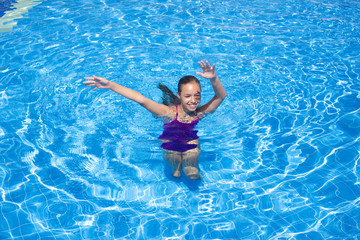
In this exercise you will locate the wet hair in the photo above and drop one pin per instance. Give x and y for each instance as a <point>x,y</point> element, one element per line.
<point>169,98</point>
<point>187,79</point>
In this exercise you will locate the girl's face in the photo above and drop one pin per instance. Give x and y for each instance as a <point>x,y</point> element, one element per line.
<point>190,96</point>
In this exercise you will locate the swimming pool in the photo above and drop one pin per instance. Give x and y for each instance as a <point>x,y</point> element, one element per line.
<point>280,157</point>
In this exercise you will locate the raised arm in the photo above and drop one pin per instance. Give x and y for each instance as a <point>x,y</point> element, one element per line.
<point>102,83</point>
<point>209,72</point>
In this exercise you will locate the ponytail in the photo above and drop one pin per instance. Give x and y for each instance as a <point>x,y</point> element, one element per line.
<point>168,98</point>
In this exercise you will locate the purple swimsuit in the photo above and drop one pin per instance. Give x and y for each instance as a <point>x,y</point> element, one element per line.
<point>178,135</point>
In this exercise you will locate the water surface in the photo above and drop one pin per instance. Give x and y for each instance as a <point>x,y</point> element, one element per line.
<point>280,157</point>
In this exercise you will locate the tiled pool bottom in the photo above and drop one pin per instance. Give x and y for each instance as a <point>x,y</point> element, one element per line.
<point>279,158</point>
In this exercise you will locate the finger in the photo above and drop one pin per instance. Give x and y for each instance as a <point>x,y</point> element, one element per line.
<point>95,78</point>
<point>202,64</point>
<point>208,64</point>
<point>89,78</point>
<point>99,79</point>
<point>95,88</point>
<point>89,83</point>
<point>199,73</point>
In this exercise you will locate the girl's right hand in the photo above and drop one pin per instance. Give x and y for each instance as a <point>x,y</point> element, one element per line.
<point>98,82</point>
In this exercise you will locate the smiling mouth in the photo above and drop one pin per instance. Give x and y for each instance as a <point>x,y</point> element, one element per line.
<point>193,105</point>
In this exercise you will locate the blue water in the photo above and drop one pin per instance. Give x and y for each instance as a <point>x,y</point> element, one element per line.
<point>280,157</point>
<point>4,6</point>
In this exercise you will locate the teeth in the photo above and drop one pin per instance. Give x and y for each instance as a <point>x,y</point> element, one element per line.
<point>192,105</point>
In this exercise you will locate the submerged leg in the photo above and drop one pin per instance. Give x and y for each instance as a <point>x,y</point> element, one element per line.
<point>175,160</point>
<point>190,163</point>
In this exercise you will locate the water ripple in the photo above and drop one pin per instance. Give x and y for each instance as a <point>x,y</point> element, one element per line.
<point>279,157</point>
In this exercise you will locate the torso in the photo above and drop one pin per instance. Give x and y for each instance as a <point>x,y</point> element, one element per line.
<point>179,133</point>
<point>183,118</point>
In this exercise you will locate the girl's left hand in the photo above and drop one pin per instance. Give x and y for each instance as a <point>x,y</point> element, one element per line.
<point>209,71</point>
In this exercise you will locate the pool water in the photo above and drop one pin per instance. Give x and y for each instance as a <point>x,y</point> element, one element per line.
<point>280,157</point>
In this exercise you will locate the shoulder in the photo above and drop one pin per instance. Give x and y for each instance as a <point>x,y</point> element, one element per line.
<point>170,114</point>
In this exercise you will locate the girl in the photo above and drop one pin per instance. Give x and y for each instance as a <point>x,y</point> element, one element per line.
<point>180,141</point>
